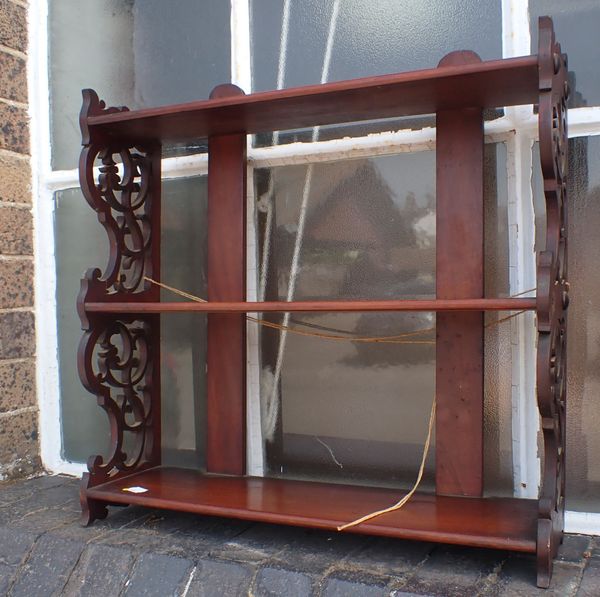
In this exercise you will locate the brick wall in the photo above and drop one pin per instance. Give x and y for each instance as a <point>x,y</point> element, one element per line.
<point>19,451</point>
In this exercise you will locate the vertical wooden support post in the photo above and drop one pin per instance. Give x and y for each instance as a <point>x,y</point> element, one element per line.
<point>152,293</point>
<point>459,274</point>
<point>226,333</point>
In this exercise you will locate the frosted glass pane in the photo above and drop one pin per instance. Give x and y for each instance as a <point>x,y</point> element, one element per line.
<point>351,411</point>
<point>497,411</point>
<point>82,243</point>
<point>576,24</point>
<point>370,38</point>
<point>583,416</point>
<point>139,53</point>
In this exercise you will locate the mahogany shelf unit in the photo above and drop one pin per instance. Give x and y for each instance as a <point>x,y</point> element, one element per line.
<point>119,354</point>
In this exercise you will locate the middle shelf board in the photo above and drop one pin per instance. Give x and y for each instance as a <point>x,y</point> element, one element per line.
<point>482,304</point>
<point>500,523</point>
<point>489,84</point>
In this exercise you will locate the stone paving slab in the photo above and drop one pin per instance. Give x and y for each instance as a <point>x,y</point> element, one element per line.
<point>146,552</point>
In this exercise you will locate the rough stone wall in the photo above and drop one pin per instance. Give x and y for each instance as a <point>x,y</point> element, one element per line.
<point>19,449</point>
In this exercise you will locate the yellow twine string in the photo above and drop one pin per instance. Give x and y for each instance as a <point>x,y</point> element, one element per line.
<point>397,339</point>
<point>407,497</point>
<point>384,339</point>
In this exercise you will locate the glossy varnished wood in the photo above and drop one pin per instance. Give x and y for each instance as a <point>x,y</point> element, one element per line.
<point>459,274</point>
<point>503,523</point>
<point>481,304</point>
<point>489,84</point>
<point>226,332</point>
<point>120,310</point>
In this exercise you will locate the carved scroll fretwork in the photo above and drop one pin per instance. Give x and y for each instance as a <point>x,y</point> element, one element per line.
<point>552,292</point>
<point>118,358</point>
<point>124,192</point>
<point>117,364</point>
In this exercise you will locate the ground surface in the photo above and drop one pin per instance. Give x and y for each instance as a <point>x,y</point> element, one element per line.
<point>136,551</point>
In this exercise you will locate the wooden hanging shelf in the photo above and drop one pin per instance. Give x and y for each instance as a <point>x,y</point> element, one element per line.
<point>505,523</point>
<point>119,354</point>
<point>487,84</point>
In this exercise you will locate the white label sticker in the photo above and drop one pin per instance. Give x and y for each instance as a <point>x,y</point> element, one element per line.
<point>136,489</point>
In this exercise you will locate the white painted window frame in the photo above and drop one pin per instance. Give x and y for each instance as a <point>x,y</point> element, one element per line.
<point>517,129</point>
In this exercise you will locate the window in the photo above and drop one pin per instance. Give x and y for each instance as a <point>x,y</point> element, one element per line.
<point>140,56</point>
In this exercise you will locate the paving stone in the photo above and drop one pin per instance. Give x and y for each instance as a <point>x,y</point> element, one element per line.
<point>101,570</point>
<point>390,556</point>
<point>14,548</point>
<point>15,178</point>
<point>17,286</point>
<point>256,543</point>
<point>518,579</point>
<point>337,587</point>
<point>590,582</point>
<point>14,545</point>
<point>573,548</point>
<point>14,129</point>
<point>43,510</point>
<point>217,579</point>
<point>13,78</point>
<point>48,567</point>
<point>13,25</point>
<point>274,582</point>
<point>17,335</point>
<point>158,575</point>
<point>134,539</point>
<point>454,571</point>
<point>17,383</point>
<point>259,559</point>
<point>24,489</point>
<point>199,536</point>
<point>7,576</point>
<point>312,551</point>
<point>44,518</point>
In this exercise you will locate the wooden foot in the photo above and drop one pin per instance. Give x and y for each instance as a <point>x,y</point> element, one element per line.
<point>544,553</point>
<point>90,509</point>
<point>549,537</point>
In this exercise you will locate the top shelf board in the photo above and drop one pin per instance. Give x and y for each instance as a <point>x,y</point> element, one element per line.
<point>490,84</point>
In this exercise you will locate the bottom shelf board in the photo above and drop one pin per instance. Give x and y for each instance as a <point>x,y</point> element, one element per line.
<point>500,523</point>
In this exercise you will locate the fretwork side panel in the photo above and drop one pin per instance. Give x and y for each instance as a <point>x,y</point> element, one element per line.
<point>119,357</point>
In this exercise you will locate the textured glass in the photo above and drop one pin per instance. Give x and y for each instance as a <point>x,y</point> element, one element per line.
<point>576,24</point>
<point>583,415</point>
<point>497,408</point>
<point>358,411</point>
<point>369,38</point>
<point>81,242</point>
<point>183,335</point>
<point>139,53</point>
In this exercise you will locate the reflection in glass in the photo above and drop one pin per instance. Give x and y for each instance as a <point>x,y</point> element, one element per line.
<point>358,411</point>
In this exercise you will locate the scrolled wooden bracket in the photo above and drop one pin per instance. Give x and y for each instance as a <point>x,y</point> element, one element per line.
<point>118,358</point>
<point>552,293</point>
